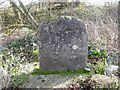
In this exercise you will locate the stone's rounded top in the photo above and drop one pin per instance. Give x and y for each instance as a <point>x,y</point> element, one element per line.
<point>70,18</point>
<point>63,24</point>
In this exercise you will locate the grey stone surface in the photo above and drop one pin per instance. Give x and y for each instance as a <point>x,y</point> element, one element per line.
<point>52,81</point>
<point>63,44</point>
<point>65,81</point>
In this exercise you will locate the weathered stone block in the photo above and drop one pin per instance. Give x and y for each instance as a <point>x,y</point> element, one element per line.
<point>63,45</point>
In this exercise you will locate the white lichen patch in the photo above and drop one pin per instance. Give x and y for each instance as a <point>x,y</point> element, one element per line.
<point>74,47</point>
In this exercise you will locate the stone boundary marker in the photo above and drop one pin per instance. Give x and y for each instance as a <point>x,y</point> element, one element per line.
<point>63,44</point>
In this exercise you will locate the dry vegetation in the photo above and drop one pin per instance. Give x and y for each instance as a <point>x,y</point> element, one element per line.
<point>101,21</point>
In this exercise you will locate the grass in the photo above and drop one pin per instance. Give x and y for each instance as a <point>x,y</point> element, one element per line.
<point>66,72</point>
<point>18,81</point>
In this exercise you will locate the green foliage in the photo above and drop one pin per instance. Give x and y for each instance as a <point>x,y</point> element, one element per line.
<point>97,58</point>
<point>98,67</point>
<point>96,52</point>
<point>112,58</point>
<point>18,81</point>
<point>24,48</point>
<point>17,52</point>
<point>99,53</point>
<point>10,62</point>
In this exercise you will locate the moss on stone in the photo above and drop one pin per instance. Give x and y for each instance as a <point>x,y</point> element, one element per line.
<point>82,72</point>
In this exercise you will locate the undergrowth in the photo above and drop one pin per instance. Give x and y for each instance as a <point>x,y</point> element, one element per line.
<point>23,50</point>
